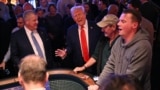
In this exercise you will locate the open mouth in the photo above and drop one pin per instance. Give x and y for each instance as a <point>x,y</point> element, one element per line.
<point>119,29</point>
<point>79,20</point>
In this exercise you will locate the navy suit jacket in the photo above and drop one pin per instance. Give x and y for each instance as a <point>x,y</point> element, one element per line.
<point>73,43</point>
<point>21,46</point>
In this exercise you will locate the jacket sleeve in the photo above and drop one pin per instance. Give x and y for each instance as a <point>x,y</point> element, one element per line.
<point>108,68</point>
<point>14,50</point>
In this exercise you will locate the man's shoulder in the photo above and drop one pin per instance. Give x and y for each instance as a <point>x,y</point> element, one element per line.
<point>118,39</point>
<point>91,23</point>
<point>118,42</point>
<point>41,29</point>
<point>72,27</point>
<point>18,32</point>
<point>146,21</point>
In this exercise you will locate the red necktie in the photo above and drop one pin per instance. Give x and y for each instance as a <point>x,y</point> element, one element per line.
<point>85,52</point>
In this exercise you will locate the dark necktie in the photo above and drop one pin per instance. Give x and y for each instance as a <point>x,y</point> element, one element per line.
<point>37,45</point>
<point>85,52</point>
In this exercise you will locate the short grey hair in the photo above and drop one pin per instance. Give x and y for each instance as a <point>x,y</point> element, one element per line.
<point>27,13</point>
<point>77,7</point>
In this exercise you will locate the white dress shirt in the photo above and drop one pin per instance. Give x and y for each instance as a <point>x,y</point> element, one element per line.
<point>39,40</point>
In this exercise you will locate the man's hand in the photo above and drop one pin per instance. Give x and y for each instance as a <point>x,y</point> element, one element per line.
<point>61,53</point>
<point>79,69</point>
<point>2,65</point>
<point>93,87</point>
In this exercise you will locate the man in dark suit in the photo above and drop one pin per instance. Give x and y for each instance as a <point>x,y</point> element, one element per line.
<point>74,43</point>
<point>22,42</point>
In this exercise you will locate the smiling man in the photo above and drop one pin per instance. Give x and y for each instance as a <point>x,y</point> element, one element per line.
<point>131,53</point>
<point>79,53</point>
<point>31,40</point>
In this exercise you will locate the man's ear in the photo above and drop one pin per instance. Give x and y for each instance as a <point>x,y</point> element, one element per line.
<point>135,24</point>
<point>20,79</point>
<point>114,27</point>
<point>47,76</point>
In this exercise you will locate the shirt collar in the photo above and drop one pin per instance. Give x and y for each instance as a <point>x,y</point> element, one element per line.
<point>85,25</point>
<point>28,30</point>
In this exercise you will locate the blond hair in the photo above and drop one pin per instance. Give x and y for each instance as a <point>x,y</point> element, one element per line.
<point>33,68</point>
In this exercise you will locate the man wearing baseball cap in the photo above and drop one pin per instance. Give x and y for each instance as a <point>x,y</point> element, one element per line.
<point>103,48</point>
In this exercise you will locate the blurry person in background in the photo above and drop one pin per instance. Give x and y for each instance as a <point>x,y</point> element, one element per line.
<point>94,7</point>
<point>20,24</point>
<point>89,14</point>
<point>44,5</point>
<point>32,74</point>
<point>113,9</point>
<point>21,2</point>
<point>18,10</point>
<point>41,19</point>
<point>146,25</point>
<point>54,26</point>
<point>150,12</point>
<point>121,5</point>
<point>61,6</point>
<point>67,19</point>
<point>5,31</point>
<point>123,82</point>
<point>11,8</point>
<point>27,6</point>
<point>4,12</point>
<point>102,6</point>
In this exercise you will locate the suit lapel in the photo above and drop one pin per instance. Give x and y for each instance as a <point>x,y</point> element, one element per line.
<point>77,39</point>
<point>26,41</point>
<point>90,31</point>
<point>42,36</point>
